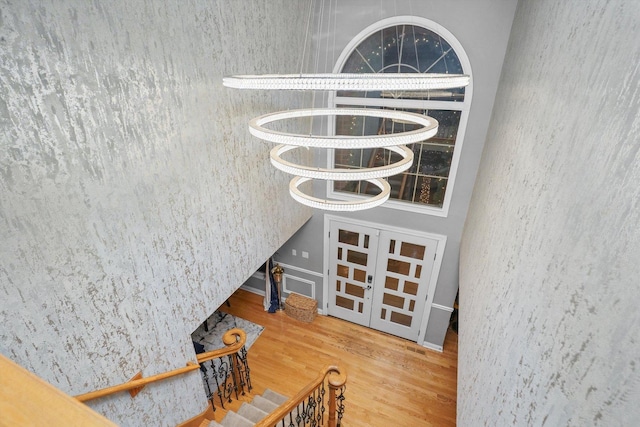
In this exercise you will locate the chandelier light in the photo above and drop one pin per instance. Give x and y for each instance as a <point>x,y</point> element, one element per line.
<point>395,142</point>
<point>342,174</point>
<point>429,129</point>
<point>346,81</point>
<point>334,205</point>
<point>390,84</point>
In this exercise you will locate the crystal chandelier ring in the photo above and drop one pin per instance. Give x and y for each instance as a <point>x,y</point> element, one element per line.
<point>342,174</point>
<point>348,81</point>
<point>333,205</point>
<point>428,129</point>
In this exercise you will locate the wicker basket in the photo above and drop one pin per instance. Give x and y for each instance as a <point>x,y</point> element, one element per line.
<point>301,308</point>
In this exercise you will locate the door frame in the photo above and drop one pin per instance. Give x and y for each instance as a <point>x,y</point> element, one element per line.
<point>433,281</point>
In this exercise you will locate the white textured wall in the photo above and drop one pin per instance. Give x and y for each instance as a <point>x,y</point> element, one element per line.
<point>133,200</point>
<point>549,318</point>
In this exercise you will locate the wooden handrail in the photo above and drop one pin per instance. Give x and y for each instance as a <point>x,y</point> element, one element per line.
<point>234,340</point>
<point>283,410</point>
<point>191,366</point>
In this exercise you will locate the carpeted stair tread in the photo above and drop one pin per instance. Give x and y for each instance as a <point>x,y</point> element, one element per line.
<point>234,420</point>
<point>265,404</point>
<point>213,423</point>
<point>251,412</point>
<point>276,398</point>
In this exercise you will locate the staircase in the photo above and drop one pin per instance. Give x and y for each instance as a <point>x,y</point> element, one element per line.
<point>319,403</point>
<point>250,413</point>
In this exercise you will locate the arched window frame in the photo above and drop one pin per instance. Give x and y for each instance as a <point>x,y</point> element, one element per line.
<point>463,107</point>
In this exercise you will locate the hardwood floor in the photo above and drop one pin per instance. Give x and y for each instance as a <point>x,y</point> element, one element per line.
<point>391,381</point>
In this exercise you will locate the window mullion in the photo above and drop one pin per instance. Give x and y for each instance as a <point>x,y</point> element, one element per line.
<point>440,155</point>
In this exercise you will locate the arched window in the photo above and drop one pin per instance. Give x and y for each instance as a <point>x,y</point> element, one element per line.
<point>405,45</point>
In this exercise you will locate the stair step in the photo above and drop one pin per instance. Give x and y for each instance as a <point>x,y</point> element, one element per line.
<point>212,423</point>
<point>252,412</point>
<point>276,398</point>
<point>234,420</point>
<point>265,404</point>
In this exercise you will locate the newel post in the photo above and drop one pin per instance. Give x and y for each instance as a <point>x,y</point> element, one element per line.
<point>336,382</point>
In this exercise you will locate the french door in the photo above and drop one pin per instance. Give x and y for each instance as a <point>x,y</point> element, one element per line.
<point>380,278</point>
<point>353,251</point>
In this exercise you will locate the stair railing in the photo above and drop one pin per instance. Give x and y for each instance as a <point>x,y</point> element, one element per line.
<point>225,372</point>
<point>308,406</point>
<point>232,373</point>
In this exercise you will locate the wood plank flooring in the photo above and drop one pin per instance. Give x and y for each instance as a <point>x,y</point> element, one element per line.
<point>391,381</point>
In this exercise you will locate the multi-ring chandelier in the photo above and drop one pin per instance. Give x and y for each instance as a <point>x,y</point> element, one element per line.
<point>395,142</point>
<point>395,83</point>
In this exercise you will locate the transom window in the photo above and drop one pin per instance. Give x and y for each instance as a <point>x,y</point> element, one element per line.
<point>405,48</point>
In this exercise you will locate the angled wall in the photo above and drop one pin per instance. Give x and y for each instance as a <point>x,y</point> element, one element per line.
<point>133,200</point>
<point>549,271</point>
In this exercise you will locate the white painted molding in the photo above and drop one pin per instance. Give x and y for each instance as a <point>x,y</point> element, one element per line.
<point>252,290</point>
<point>258,275</point>
<point>442,307</point>
<point>302,270</point>
<point>434,347</point>
<point>312,285</point>
<point>261,293</point>
<point>441,238</point>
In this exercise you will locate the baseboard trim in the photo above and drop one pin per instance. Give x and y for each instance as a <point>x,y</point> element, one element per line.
<point>261,293</point>
<point>252,290</point>
<point>442,307</point>
<point>432,346</point>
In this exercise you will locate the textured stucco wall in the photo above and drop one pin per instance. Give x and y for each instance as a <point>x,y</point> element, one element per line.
<point>549,288</point>
<point>133,200</point>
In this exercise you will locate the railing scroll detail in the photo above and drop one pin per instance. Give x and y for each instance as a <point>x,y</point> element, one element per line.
<point>309,407</point>
<point>225,372</point>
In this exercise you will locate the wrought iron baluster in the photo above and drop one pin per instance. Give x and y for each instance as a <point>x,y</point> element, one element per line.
<point>231,372</point>
<point>314,409</point>
<point>308,412</point>
<point>216,375</point>
<point>340,403</point>
<point>321,403</point>
<point>244,373</point>
<point>305,408</point>
<point>299,418</point>
<point>222,384</point>
<point>205,378</point>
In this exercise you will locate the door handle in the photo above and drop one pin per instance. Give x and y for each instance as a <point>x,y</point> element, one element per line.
<point>368,287</point>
